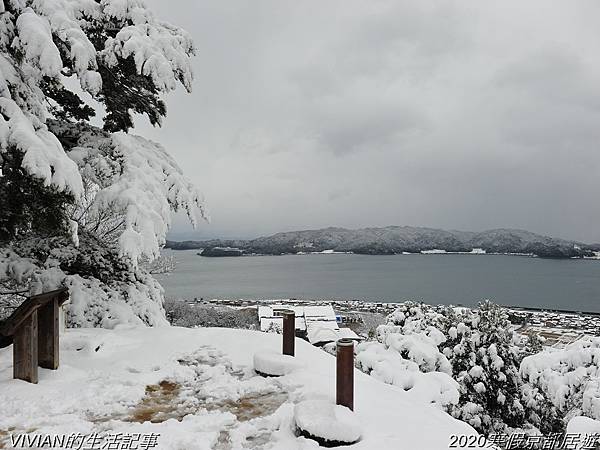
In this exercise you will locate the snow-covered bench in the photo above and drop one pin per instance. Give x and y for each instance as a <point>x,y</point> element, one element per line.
<point>34,329</point>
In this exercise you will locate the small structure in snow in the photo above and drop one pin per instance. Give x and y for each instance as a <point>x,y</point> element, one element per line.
<point>318,323</point>
<point>322,333</point>
<point>272,316</point>
<point>273,364</point>
<point>328,424</point>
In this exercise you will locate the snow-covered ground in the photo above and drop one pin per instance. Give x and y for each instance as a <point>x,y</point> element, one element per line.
<point>197,389</point>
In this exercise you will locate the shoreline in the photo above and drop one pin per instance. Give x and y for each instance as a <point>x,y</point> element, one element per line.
<point>546,319</point>
<point>433,252</point>
<point>369,305</point>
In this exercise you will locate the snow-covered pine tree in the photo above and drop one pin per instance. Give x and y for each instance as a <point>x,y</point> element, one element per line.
<point>486,365</point>
<point>81,206</point>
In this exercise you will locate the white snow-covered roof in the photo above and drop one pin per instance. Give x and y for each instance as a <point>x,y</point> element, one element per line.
<point>348,334</point>
<point>265,311</point>
<point>323,332</point>
<point>319,321</point>
<point>317,335</point>
<point>275,310</point>
<point>329,324</point>
<point>319,311</point>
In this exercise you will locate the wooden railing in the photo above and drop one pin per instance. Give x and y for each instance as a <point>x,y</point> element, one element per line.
<point>34,328</point>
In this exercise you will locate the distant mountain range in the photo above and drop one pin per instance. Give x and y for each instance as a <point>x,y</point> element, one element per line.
<point>394,240</point>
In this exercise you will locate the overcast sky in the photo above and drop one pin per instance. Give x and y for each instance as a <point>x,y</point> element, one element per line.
<point>454,114</point>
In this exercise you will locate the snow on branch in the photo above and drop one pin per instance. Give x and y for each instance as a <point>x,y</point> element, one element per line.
<point>35,39</point>
<point>61,17</point>
<point>150,187</point>
<point>132,186</point>
<point>51,38</point>
<point>569,377</point>
<point>124,188</point>
<point>43,155</point>
<point>160,50</point>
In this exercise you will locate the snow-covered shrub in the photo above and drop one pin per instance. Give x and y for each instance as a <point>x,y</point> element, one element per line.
<point>420,349</point>
<point>368,324</point>
<point>568,379</point>
<point>504,381</point>
<point>387,365</point>
<point>475,347</point>
<point>406,354</point>
<point>81,207</point>
<point>412,332</point>
<point>104,290</point>
<point>534,344</point>
<point>274,327</point>
<point>181,314</point>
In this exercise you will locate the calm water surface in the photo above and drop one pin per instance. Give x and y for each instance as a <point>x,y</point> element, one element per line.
<point>455,279</point>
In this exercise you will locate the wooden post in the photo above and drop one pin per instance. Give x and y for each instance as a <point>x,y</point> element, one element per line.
<point>25,350</point>
<point>61,317</point>
<point>344,382</point>
<point>289,332</point>
<point>48,331</point>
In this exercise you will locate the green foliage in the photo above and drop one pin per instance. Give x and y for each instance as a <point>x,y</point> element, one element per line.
<point>27,206</point>
<point>534,344</point>
<point>540,411</point>
<point>91,258</point>
<point>66,104</point>
<point>181,314</point>
<point>124,90</point>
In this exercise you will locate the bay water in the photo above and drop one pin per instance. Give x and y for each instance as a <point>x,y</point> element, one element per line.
<point>436,279</point>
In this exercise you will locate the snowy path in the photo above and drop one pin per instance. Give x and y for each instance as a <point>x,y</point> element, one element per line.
<point>197,389</point>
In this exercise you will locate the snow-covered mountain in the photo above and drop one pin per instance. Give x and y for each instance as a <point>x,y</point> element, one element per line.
<point>398,239</point>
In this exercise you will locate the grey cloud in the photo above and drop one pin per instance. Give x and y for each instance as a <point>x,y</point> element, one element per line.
<point>365,126</point>
<point>554,74</point>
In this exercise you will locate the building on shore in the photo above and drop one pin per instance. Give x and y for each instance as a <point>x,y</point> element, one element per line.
<point>316,323</point>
